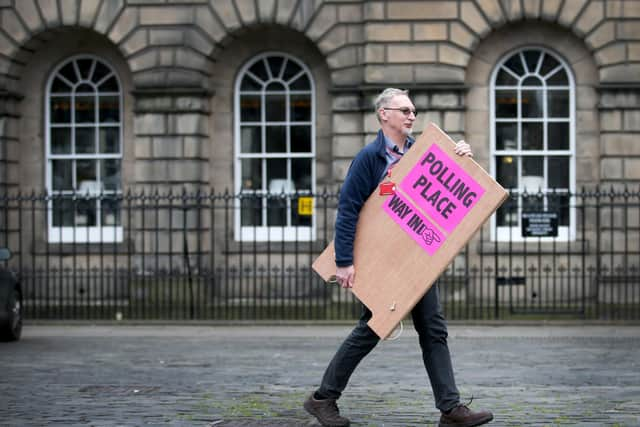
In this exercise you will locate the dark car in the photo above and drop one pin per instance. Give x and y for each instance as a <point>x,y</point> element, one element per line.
<point>10,302</point>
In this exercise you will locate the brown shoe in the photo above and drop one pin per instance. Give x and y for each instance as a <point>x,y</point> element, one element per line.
<point>326,411</point>
<point>462,416</point>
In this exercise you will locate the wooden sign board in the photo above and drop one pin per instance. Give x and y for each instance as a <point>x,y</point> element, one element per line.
<point>405,240</point>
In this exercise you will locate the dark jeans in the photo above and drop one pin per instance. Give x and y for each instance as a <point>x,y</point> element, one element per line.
<point>432,332</point>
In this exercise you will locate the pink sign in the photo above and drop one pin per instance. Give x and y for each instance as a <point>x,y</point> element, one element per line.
<point>441,188</point>
<point>413,223</point>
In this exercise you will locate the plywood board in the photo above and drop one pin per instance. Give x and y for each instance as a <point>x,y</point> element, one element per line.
<point>404,241</point>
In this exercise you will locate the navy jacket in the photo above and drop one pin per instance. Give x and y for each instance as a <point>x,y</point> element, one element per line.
<point>364,175</point>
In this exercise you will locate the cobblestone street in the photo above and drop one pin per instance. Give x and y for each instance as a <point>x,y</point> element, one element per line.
<point>259,375</point>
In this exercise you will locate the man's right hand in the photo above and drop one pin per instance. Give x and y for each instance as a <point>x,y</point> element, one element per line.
<point>345,276</point>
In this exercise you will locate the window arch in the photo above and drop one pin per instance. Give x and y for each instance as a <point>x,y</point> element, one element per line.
<point>274,148</point>
<point>84,151</point>
<point>532,134</point>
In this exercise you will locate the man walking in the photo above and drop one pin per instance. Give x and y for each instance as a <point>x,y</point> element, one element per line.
<point>396,114</point>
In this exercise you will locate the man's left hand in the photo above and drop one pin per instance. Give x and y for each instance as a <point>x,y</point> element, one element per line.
<point>463,149</point>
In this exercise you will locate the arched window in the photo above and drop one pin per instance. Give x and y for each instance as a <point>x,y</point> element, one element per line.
<point>274,149</point>
<point>84,151</point>
<point>532,134</point>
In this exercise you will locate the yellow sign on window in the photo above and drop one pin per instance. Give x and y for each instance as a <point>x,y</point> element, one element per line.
<point>305,206</point>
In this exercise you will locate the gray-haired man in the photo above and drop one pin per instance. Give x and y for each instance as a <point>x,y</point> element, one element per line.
<point>396,114</point>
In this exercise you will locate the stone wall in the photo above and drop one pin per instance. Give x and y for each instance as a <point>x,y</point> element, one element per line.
<point>178,61</point>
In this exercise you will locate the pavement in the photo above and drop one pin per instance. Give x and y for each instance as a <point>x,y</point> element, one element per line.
<point>213,375</point>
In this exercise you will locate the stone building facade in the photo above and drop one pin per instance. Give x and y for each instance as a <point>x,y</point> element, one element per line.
<point>178,103</point>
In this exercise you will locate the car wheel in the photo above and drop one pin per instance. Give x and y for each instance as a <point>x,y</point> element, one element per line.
<point>12,329</point>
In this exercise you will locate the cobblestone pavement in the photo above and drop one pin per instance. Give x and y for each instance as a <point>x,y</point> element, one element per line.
<point>114,375</point>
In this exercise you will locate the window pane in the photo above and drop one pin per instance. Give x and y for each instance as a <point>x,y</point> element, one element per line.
<point>506,103</point>
<point>250,108</point>
<point>515,64</point>
<point>277,177</point>
<point>507,171</point>
<point>301,174</point>
<point>249,83</point>
<point>558,79</point>
<point>275,87</point>
<point>251,174</point>
<point>259,70</point>
<point>301,139</point>
<point>532,81</point>
<point>300,108</point>
<point>84,65</point>
<point>110,173</point>
<point>62,175</point>
<point>59,85</point>
<point>110,85</point>
<point>251,210</point>
<point>558,168</point>
<point>290,70</point>
<point>558,103</point>
<point>505,79</point>
<point>275,108</point>
<point>507,136</point>
<point>558,136</point>
<point>86,212</point>
<point>531,58</point>
<point>109,109</point>
<point>533,201</point>
<point>110,211</point>
<point>86,176</point>
<point>532,103</point>
<point>60,109</point>
<point>85,140</point>
<point>60,140</point>
<point>532,136</point>
<point>275,64</point>
<point>559,203</point>
<point>276,139</point>
<point>250,139</point>
<point>110,140</point>
<point>277,210</point>
<point>507,214</point>
<point>62,212</point>
<point>532,173</point>
<point>85,89</point>
<point>100,72</point>
<point>548,64</point>
<point>85,109</point>
<point>69,73</point>
<point>301,83</point>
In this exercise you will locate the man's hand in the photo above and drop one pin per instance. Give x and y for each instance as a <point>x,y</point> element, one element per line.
<point>463,149</point>
<point>345,276</point>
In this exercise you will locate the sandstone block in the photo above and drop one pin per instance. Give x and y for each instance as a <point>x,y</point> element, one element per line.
<point>592,16</point>
<point>388,73</point>
<point>29,13</point>
<point>430,31</point>
<point>422,10</point>
<point>108,13</point>
<point>163,15</point>
<point>322,22</point>
<point>631,120</point>
<point>472,17</point>
<point>411,53</point>
<point>388,32</point>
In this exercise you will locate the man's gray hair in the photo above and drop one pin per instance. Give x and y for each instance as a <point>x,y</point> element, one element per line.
<point>385,96</point>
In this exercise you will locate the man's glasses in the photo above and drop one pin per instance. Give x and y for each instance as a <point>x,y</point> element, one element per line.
<point>404,110</point>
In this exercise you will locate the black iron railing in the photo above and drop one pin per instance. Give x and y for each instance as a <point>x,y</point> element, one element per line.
<point>222,256</point>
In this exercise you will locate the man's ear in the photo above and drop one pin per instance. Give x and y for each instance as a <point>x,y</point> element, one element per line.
<point>382,113</point>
